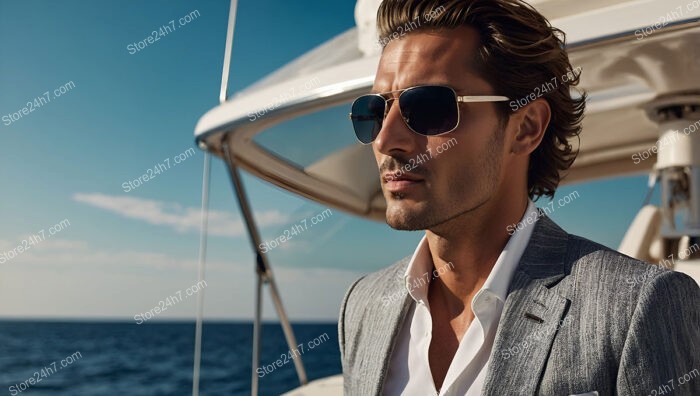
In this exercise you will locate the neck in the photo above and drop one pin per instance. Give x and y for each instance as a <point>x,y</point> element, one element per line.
<point>465,249</point>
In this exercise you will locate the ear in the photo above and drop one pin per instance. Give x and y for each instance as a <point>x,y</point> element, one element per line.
<point>531,124</point>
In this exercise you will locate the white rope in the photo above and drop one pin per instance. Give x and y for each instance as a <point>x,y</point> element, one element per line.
<point>201,273</point>
<point>205,202</point>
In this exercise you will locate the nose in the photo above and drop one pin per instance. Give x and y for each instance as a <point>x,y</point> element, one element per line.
<point>395,136</point>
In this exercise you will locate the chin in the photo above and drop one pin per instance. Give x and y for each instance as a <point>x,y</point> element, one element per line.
<point>406,216</point>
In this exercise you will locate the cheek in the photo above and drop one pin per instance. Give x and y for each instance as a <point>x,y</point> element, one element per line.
<point>463,157</point>
<point>449,168</point>
<point>377,156</point>
<point>451,154</point>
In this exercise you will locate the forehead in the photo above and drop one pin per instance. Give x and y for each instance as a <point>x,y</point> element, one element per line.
<point>429,57</point>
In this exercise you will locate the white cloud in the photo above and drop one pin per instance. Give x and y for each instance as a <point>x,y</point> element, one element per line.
<point>176,216</point>
<point>67,254</point>
<point>67,278</point>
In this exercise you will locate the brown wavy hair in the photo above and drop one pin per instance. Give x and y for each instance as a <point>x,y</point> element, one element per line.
<point>520,52</point>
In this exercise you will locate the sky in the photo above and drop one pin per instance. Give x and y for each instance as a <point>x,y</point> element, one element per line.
<point>110,243</point>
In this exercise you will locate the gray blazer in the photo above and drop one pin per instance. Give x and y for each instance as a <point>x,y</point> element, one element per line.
<point>579,318</point>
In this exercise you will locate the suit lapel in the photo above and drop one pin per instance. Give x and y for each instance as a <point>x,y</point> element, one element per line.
<point>385,337</point>
<point>531,316</point>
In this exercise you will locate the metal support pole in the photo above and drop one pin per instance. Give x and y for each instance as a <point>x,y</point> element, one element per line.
<point>257,328</point>
<point>264,275</point>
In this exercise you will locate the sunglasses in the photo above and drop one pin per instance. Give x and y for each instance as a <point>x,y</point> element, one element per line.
<point>427,110</point>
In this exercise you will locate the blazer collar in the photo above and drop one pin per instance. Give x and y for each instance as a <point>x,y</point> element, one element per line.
<point>544,258</point>
<point>532,314</point>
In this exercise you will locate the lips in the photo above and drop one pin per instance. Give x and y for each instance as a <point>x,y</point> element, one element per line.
<point>400,182</point>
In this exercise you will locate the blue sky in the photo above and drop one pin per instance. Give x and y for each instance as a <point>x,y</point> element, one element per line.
<point>124,113</point>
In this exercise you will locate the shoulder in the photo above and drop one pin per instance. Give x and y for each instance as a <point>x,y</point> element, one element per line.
<point>589,256</point>
<point>377,286</point>
<point>367,300</point>
<point>595,277</point>
<point>613,284</point>
<point>576,261</point>
<point>591,262</point>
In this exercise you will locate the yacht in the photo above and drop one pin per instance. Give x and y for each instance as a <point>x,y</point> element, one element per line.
<point>639,63</point>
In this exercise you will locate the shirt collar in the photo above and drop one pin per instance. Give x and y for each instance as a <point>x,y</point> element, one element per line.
<point>420,268</point>
<point>502,272</point>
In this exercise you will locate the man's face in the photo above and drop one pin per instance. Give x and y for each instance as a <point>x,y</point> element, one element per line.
<point>460,170</point>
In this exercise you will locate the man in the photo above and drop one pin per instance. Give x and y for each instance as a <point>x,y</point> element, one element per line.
<point>496,299</point>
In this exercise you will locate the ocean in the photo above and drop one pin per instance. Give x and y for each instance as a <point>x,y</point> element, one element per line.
<point>155,358</point>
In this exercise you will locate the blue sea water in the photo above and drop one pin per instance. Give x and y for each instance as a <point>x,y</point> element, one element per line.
<point>154,358</point>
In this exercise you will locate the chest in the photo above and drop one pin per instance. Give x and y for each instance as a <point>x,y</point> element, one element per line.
<point>447,333</point>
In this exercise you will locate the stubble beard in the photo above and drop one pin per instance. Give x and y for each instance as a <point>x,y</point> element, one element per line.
<point>433,211</point>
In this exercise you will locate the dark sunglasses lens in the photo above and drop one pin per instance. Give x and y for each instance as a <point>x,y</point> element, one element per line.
<point>367,117</point>
<point>429,110</point>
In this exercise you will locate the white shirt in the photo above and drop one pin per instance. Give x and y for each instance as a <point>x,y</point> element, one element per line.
<point>409,369</point>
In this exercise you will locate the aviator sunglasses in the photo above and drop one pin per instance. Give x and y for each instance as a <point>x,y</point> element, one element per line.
<point>427,110</point>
